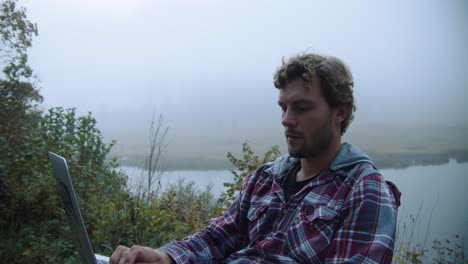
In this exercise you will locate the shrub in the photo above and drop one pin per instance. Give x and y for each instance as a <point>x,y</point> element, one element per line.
<point>35,206</point>
<point>244,167</point>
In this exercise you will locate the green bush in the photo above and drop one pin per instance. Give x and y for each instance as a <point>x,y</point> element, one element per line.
<point>34,228</point>
<point>179,211</point>
<point>244,167</point>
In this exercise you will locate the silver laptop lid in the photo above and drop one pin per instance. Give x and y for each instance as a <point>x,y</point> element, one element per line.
<point>72,209</point>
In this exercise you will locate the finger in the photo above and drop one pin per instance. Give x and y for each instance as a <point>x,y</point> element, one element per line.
<point>135,254</point>
<point>115,257</point>
<point>124,257</point>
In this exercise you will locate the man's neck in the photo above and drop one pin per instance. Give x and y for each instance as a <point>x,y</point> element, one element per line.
<point>313,166</point>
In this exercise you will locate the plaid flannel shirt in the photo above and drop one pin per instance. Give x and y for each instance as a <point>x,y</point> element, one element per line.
<point>345,215</point>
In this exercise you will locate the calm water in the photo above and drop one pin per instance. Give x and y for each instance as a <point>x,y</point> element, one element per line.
<point>434,199</point>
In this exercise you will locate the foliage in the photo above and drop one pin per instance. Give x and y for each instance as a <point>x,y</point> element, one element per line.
<point>245,166</point>
<point>18,97</point>
<point>35,206</point>
<point>413,256</point>
<point>16,33</point>
<point>179,211</point>
<point>17,107</point>
<point>443,252</point>
<point>24,192</point>
<point>408,252</point>
<point>448,252</point>
<point>34,228</point>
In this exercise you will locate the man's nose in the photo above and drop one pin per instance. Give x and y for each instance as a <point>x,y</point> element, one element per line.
<point>288,119</point>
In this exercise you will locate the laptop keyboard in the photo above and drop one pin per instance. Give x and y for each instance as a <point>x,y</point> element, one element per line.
<point>101,259</point>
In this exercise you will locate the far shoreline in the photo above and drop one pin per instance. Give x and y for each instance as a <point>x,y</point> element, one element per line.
<point>382,161</point>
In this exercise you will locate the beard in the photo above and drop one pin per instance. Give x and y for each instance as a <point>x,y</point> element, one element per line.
<point>315,145</point>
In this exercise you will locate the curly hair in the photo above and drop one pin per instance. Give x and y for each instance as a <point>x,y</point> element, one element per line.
<point>336,80</point>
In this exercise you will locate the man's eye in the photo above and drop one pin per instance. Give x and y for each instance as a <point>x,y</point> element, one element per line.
<point>301,109</point>
<point>306,107</point>
<point>283,111</point>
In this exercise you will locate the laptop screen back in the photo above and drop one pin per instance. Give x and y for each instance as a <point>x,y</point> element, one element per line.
<point>72,209</point>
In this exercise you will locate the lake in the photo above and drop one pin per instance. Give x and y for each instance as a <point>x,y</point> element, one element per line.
<point>434,198</point>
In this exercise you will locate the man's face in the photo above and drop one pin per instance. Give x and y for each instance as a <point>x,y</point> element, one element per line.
<point>310,123</point>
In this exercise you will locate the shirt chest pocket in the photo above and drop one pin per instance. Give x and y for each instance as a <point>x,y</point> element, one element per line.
<point>313,227</point>
<point>256,215</point>
<point>318,220</point>
<point>318,213</point>
<point>257,208</point>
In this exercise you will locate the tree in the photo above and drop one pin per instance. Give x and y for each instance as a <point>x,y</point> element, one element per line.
<point>18,93</point>
<point>153,163</point>
<point>18,97</point>
<point>16,33</point>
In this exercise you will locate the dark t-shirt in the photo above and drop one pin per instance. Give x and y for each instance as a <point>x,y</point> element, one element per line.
<point>290,185</point>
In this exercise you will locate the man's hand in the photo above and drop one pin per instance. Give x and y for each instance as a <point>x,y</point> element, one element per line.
<point>138,254</point>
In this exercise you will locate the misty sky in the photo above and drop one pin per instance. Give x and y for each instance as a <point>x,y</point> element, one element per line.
<point>208,65</point>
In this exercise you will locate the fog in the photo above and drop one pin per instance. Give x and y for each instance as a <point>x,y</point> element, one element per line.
<point>207,66</point>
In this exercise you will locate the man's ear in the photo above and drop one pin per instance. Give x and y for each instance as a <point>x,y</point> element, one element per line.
<point>342,112</point>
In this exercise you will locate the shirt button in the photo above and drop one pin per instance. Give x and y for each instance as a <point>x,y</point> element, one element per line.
<point>284,210</point>
<point>258,260</point>
<point>269,238</point>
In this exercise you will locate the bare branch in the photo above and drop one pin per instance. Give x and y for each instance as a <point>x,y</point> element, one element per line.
<point>157,148</point>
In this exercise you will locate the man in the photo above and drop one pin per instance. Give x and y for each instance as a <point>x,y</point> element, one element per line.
<point>324,202</point>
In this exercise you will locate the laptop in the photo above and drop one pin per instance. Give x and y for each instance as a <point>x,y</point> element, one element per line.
<point>72,210</point>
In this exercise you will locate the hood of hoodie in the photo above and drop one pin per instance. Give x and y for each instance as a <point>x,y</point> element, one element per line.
<point>348,155</point>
